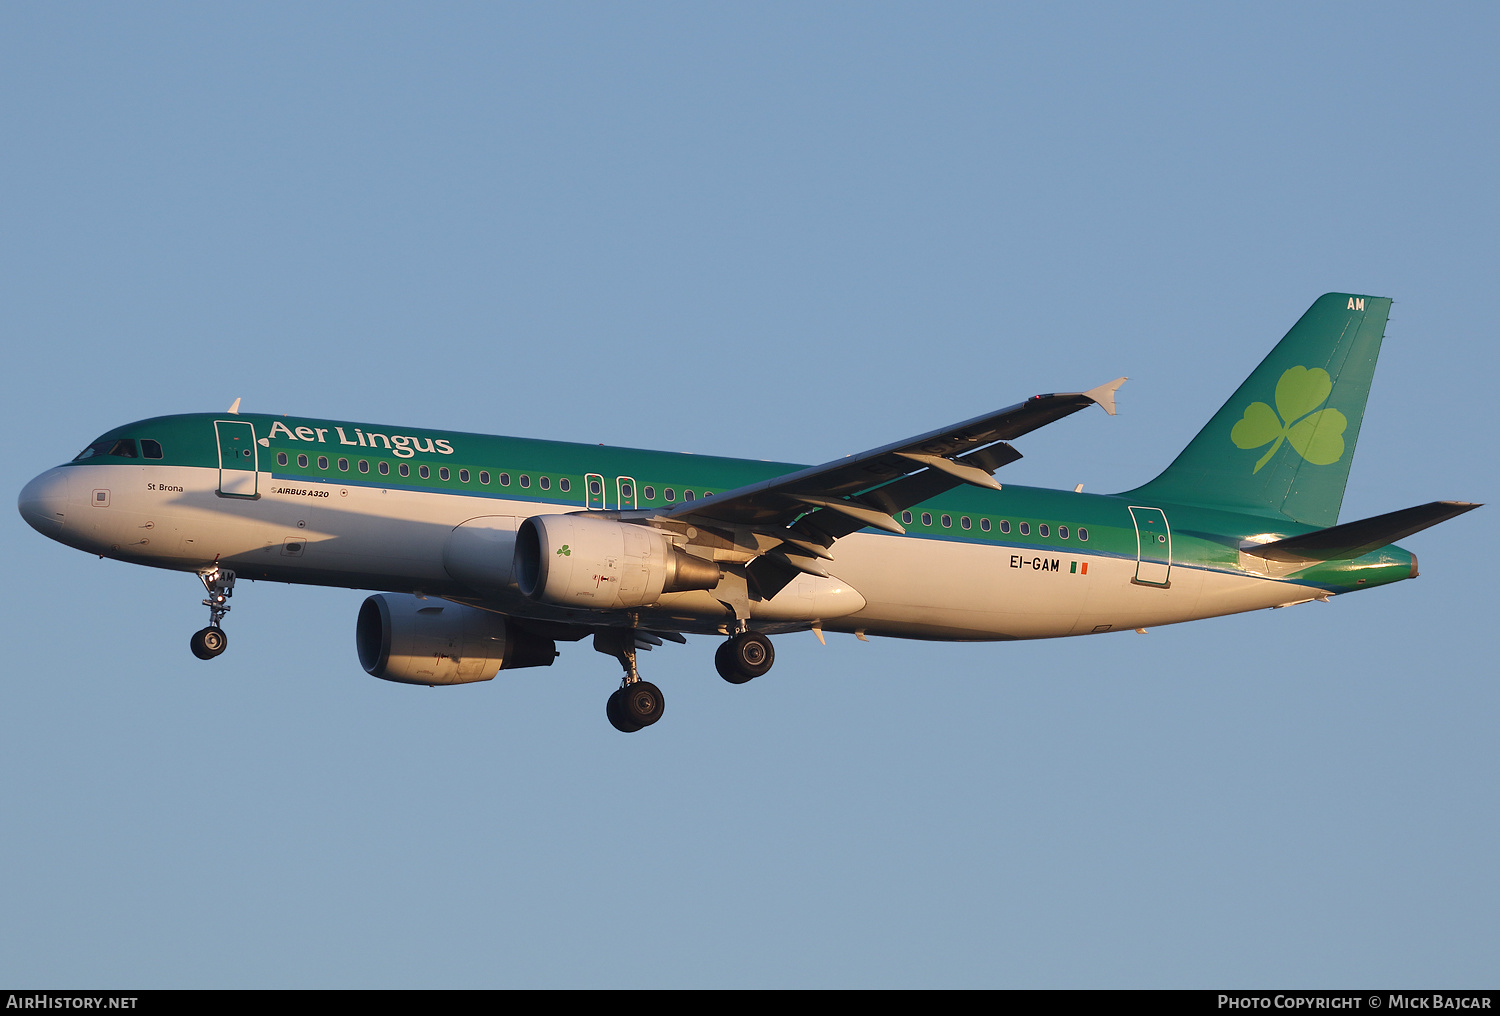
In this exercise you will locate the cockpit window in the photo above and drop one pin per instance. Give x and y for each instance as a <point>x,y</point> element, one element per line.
<point>123,447</point>
<point>150,449</point>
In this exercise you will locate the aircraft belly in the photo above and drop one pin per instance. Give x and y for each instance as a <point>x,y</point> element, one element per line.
<point>954,590</point>
<point>959,590</point>
<point>1117,601</point>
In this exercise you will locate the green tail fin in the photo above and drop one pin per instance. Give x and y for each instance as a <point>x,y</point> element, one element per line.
<point>1282,445</point>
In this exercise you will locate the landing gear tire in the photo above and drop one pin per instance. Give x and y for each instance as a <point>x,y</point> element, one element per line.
<point>615,710</point>
<point>744,657</point>
<point>634,706</point>
<point>724,664</point>
<point>209,642</point>
<point>641,703</point>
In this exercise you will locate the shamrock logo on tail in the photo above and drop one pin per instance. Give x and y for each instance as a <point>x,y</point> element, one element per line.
<point>1317,437</point>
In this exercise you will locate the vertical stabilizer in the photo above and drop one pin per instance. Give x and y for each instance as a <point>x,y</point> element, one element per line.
<point>1283,444</point>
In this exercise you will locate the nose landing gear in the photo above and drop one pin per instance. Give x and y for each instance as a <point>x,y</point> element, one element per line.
<point>209,642</point>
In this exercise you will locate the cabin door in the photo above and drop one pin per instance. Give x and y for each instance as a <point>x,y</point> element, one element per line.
<point>593,492</point>
<point>625,490</point>
<point>1153,547</point>
<point>238,458</point>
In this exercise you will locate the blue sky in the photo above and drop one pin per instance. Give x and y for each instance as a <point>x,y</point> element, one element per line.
<point>785,232</point>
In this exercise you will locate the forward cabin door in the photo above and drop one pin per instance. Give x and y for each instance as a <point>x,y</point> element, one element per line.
<point>1153,547</point>
<point>239,458</point>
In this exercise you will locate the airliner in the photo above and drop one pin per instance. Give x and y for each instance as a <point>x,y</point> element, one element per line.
<point>483,553</point>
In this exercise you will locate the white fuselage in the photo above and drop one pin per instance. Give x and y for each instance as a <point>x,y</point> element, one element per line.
<point>370,537</point>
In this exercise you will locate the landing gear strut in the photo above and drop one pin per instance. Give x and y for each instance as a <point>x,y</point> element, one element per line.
<point>744,657</point>
<point>209,642</point>
<point>636,703</point>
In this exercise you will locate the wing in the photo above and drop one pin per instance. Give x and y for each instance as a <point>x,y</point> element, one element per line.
<point>797,517</point>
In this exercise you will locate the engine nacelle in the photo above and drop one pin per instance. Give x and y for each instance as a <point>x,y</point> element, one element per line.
<point>578,561</point>
<point>422,641</point>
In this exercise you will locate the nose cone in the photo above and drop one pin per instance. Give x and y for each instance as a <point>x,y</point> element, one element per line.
<point>44,502</point>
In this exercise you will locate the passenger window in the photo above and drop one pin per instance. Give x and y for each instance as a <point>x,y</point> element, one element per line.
<point>1083,534</point>
<point>484,477</point>
<point>281,458</point>
<point>687,495</point>
<point>302,461</point>
<point>525,480</point>
<point>964,522</point>
<point>364,465</point>
<point>385,469</point>
<point>906,517</point>
<point>1005,525</point>
<point>984,524</point>
<point>927,518</point>
<point>1042,530</point>
<point>1062,532</point>
<point>947,521</point>
<point>544,482</point>
<point>150,449</point>
<point>343,465</point>
<point>404,469</point>
<point>563,485</point>
<point>442,472</point>
<point>463,476</point>
<point>1025,528</point>
<point>669,495</point>
<point>505,479</point>
<point>650,493</point>
<point>322,461</point>
<point>424,472</point>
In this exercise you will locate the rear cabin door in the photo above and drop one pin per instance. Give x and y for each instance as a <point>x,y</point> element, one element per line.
<point>238,458</point>
<point>1153,542</point>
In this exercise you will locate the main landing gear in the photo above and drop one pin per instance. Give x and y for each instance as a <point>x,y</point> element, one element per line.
<point>209,642</point>
<point>636,703</point>
<point>744,657</point>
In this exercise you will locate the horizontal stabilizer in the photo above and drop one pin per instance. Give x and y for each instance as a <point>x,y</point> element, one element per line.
<point>1355,538</point>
